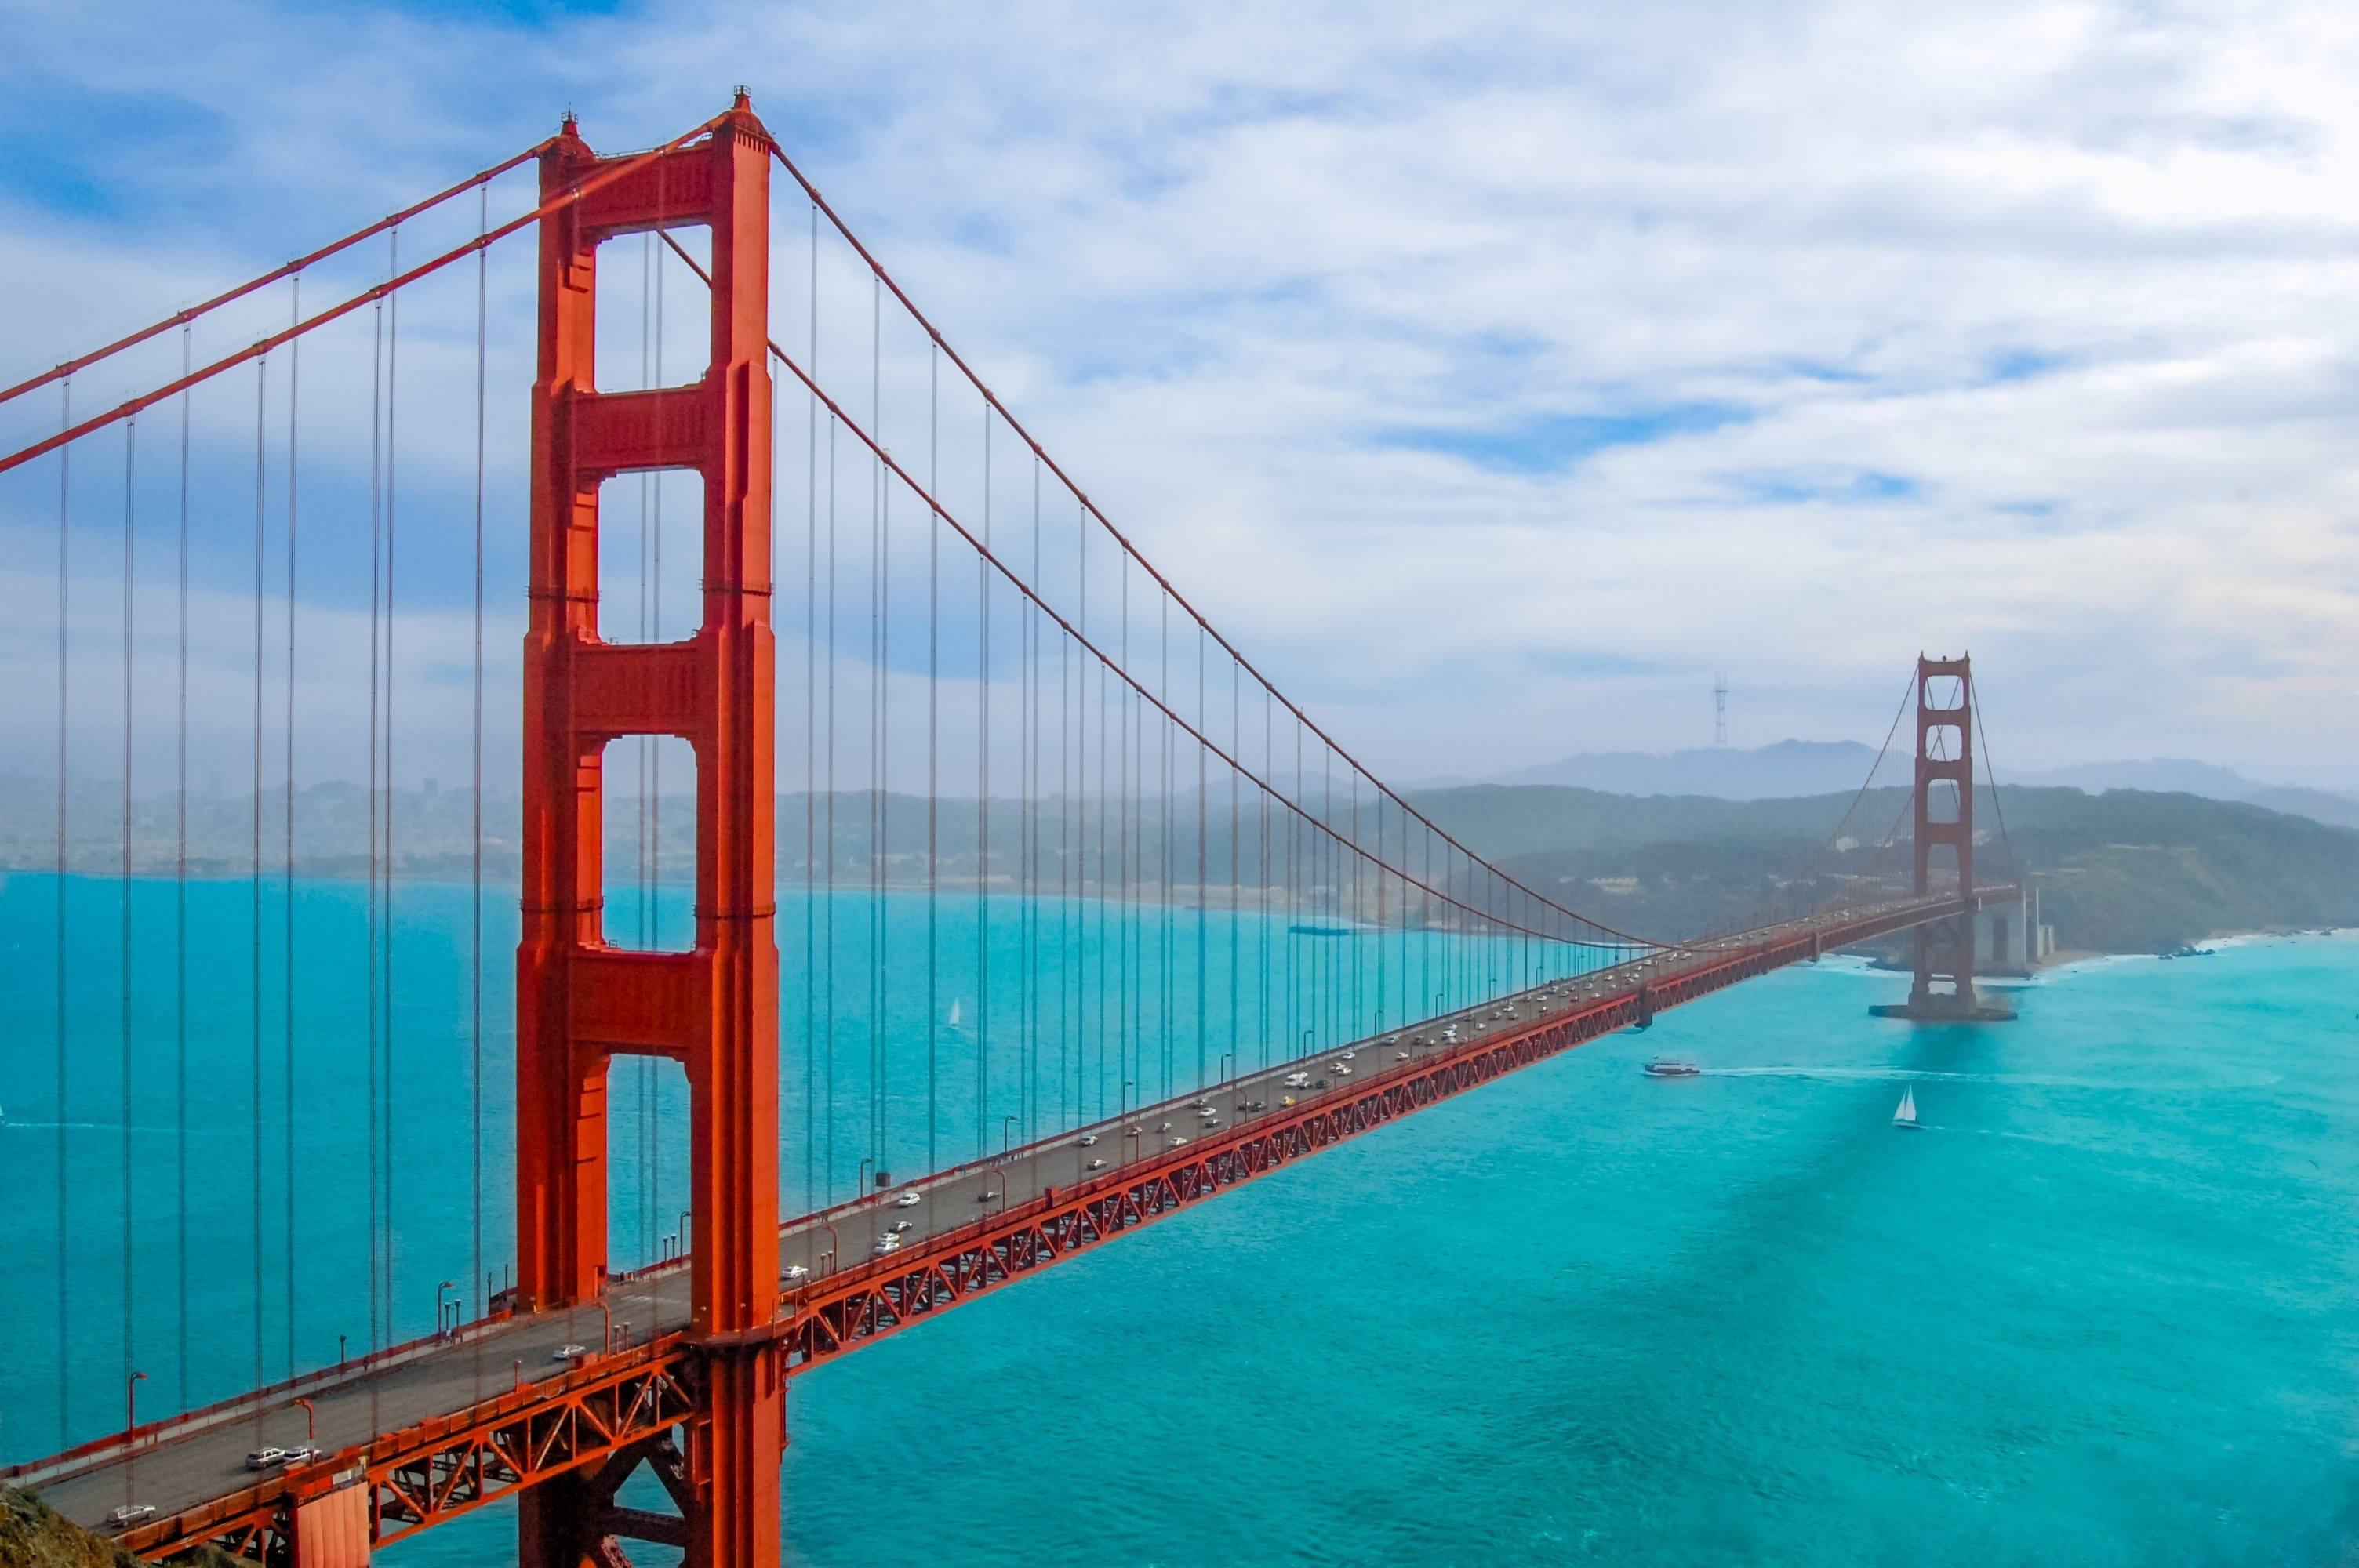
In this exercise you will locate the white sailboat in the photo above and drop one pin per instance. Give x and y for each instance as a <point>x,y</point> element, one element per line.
<point>1905,1116</point>
<point>953,1021</point>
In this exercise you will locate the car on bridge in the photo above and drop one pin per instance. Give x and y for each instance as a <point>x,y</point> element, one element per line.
<point>907,1200</point>
<point>266,1459</point>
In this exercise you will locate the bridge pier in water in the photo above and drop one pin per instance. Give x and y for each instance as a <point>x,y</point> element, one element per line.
<point>1942,988</point>
<point>580,1001</point>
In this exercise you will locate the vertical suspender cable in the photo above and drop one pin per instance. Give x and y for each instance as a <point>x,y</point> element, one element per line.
<point>811,750</point>
<point>983,815</point>
<point>261,391</point>
<point>475,794</point>
<point>376,480</point>
<point>130,475</point>
<point>65,483</point>
<point>286,880</point>
<point>878,569</point>
<point>827,905</point>
<point>392,450</point>
<point>642,891</point>
<point>933,777</point>
<point>1032,826</point>
<point>650,1167</point>
<point>180,906</point>
<point>1167,950</point>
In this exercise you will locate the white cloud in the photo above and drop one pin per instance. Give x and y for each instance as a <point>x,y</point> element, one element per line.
<point>2037,317</point>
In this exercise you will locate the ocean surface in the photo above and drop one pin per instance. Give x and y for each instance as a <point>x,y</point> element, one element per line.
<point>2103,1309</point>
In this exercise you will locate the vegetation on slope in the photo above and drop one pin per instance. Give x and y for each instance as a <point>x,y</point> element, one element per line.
<point>2126,871</point>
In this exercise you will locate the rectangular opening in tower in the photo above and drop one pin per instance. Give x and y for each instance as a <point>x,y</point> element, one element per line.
<point>654,315</point>
<point>649,861</point>
<point>651,557</point>
<point>646,1162</point>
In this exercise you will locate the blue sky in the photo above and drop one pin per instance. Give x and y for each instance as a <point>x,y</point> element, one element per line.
<point>1493,374</point>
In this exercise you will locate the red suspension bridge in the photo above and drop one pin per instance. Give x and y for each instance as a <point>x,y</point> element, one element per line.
<point>1198,941</point>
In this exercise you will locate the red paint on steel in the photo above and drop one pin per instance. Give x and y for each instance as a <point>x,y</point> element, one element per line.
<point>581,1001</point>
<point>332,1530</point>
<point>1945,948</point>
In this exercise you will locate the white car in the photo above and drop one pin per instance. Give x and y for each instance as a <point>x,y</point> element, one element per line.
<point>888,1242</point>
<point>902,1226</point>
<point>1297,1080</point>
<point>266,1459</point>
<point>795,1273</point>
<point>1176,1142</point>
<point>131,1513</point>
<point>1097,1164</point>
<point>1343,1069</point>
<point>907,1200</point>
<point>1088,1140</point>
<point>568,1352</point>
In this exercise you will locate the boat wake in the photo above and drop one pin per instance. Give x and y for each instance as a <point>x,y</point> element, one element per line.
<point>2022,1080</point>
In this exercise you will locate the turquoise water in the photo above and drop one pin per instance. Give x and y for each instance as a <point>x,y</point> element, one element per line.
<point>2105,1310</point>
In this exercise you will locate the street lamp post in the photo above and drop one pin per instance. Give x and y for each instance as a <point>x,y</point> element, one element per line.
<point>311,1420</point>
<point>440,1331</point>
<point>1004,1130</point>
<point>130,1400</point>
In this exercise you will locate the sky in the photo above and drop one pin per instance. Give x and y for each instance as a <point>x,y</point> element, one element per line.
<point>1495,376</point>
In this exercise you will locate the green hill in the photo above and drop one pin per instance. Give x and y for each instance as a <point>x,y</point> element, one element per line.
<point>2126,871</point>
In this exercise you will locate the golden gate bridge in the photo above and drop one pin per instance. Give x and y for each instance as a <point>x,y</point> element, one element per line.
<point>1146,808</point>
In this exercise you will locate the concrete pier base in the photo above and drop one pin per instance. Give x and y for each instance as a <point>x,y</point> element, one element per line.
<point>1944,1010</point>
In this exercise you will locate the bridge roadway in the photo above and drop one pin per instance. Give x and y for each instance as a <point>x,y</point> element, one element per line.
<point>200,1460</point>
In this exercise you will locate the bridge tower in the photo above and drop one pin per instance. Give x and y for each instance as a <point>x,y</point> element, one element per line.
<point>1945,948</point>
<point>580,1002</point>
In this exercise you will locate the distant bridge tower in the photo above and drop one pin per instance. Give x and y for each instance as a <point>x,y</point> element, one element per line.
<point>1945,818</point>
<point>1945,822</point>
<point>1720,710</point>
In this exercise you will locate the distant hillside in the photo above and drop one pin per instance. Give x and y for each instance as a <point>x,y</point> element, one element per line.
<point>2128,870</point>
<point>1792,768</point>
<point>1788,768</point>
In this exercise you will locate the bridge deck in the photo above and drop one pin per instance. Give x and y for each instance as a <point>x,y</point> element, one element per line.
<point>193,1472</point>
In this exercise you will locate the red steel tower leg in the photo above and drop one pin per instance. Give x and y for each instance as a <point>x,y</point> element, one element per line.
<point>580,1000</point>
<point>1945,948</point>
